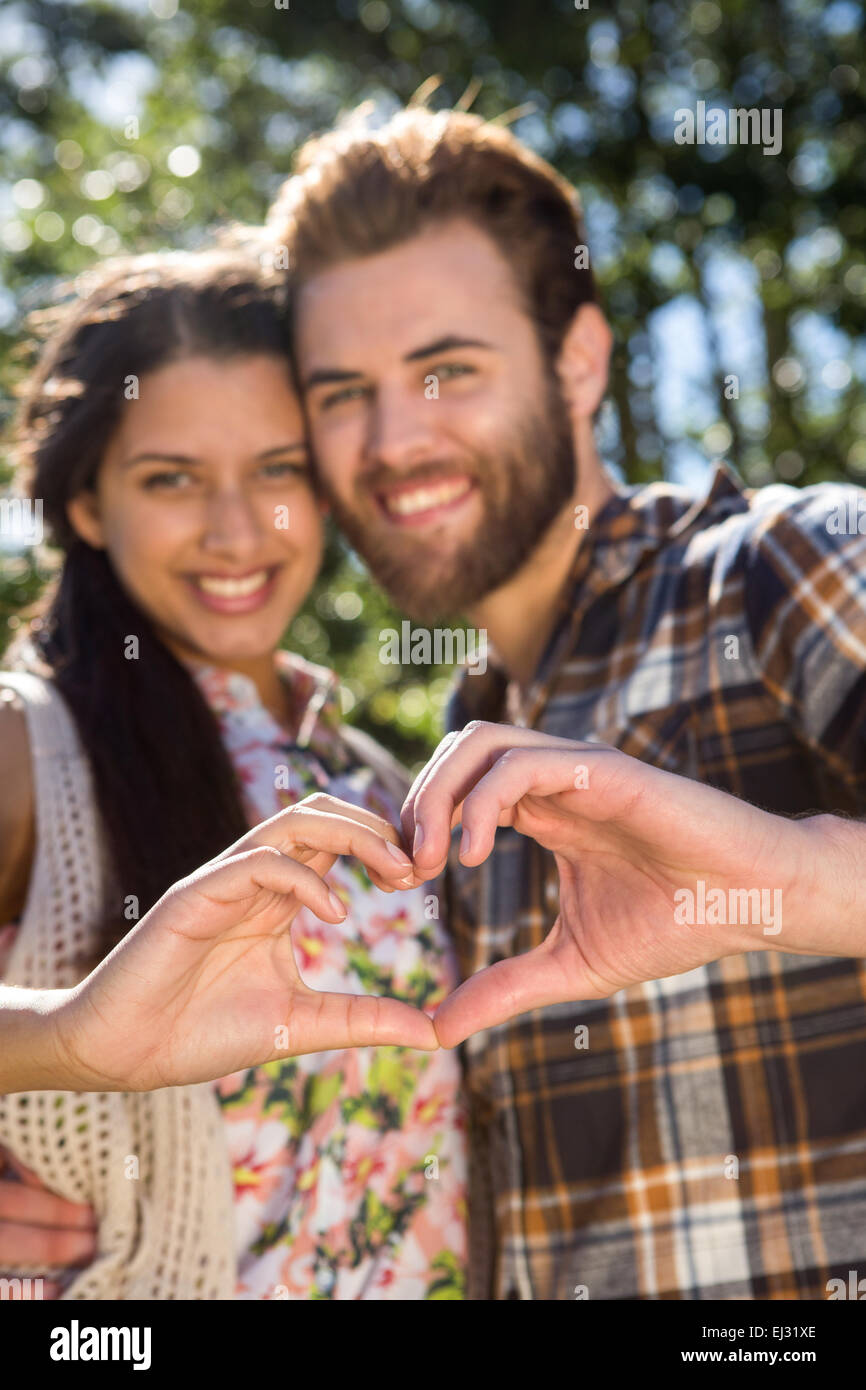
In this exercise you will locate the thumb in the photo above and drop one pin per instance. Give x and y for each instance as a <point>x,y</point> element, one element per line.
<point>502,991</point>
<point>322,1022</point>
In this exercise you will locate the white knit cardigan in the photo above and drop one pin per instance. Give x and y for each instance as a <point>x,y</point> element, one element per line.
<point>154,1165</point>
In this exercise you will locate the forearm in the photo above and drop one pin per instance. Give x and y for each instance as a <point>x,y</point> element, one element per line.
<point>30,1057</point>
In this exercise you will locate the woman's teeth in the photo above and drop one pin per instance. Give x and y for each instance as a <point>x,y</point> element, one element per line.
<point>423,499</point>
<point>232,588</point>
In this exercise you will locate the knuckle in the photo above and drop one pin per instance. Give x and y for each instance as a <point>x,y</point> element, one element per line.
<point>511,756</point>
<point>476,728</point>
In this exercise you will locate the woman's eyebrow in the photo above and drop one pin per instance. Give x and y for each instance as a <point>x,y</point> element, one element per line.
<point>154,456</point>
<point>297,446</point>
<point>185,460</point>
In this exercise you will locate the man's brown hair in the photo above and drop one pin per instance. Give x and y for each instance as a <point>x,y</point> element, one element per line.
<point>359,190</point>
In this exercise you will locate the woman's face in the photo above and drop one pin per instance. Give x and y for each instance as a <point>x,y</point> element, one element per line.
<point>204,505</point>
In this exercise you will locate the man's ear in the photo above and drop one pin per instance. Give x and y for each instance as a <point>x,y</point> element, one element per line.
<point>584,360</point>
<point>84,518</point>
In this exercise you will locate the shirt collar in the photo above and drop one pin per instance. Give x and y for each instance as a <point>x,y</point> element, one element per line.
<point>640,520</point>
<point>637,522</point>
<point>313,691</point>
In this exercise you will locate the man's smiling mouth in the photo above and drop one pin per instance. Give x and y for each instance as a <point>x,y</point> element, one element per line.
<point>424,501</point>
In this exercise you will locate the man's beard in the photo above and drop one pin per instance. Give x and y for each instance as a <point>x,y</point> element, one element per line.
<point>522,489</point>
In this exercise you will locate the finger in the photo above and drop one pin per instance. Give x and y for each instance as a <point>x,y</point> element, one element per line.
<point>370,839</point>
<point>502,991</point>
<point>325,1022</point>
<point>36,1206</point>
<point>22,1245</point>
<point>233,887</point>
<point>450,780</point>
<point>543,771</point>
<point>407,813</point>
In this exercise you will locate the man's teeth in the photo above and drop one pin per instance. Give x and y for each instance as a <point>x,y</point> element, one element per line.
<point>423,498</point>
<point>232,588</point>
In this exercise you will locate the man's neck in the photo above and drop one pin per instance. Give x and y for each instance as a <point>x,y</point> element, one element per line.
<point>519,617</point>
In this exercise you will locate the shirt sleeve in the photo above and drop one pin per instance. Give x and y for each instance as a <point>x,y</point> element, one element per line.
<point>805,601</point>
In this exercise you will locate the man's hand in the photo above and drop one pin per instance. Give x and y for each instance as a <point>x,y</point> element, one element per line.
<point>206,983</point>
<point>38,1228</point>
<point>626,838</point>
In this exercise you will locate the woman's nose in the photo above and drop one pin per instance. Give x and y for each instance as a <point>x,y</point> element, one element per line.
<point>232,524</point>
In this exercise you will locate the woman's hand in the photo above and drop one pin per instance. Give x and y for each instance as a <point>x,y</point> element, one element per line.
<point>626,837</point>
<point>206,984</point>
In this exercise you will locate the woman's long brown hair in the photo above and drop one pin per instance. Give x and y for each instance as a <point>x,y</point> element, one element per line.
<point>164,784</point>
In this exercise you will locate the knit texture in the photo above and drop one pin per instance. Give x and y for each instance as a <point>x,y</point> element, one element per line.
<point>153,1165</point>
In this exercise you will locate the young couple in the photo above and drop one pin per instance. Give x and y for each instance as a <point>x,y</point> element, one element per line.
<point>698,1136</point>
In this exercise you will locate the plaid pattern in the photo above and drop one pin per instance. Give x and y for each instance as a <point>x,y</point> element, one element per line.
<point>710,1142</point>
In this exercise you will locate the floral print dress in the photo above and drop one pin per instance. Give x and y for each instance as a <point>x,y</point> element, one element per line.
<point>349,1166</point>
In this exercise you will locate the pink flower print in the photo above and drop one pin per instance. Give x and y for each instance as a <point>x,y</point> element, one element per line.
<point>310,944</point>
<point>358,1172</point>
<point>429,1110</point>
<point>307,1174</point>
<point>382,924</point>
<point>258,1158</point>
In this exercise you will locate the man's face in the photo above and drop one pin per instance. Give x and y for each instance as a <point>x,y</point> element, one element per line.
<point>442,443</point>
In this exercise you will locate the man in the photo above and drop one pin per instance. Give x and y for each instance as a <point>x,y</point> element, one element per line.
<point>703,1136</point>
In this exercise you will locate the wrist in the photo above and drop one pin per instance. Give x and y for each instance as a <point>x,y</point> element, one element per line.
<point>31,1055</point>
<point>828,899</point>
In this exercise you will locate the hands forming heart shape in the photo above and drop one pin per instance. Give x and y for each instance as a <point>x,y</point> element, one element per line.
<point>198,989</point>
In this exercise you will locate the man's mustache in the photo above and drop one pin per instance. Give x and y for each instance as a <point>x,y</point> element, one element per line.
<point>382,479</point>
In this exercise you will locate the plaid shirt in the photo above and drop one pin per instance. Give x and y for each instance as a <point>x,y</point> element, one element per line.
<point>710,1141</point>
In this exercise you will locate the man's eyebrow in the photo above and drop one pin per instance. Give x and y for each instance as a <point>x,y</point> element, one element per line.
<point>447,344</point>
<point>327,375</point>
<point>324,375</point>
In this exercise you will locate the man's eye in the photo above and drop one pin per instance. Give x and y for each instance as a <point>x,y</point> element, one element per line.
<point>453,369</point>
<point>345,393</point>
<point>170,482</point>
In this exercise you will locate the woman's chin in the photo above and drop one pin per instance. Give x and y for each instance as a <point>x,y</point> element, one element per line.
<point>226,648</point>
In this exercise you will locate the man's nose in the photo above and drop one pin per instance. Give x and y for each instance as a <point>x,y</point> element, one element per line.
<point>403,428</point>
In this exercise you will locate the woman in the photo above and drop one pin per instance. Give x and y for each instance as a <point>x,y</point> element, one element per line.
<point>166,444</point>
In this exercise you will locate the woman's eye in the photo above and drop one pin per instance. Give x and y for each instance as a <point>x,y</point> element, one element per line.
<point>171,482</point>
<point>284,469</point>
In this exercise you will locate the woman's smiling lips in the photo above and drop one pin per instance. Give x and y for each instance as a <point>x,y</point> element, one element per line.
<point>238,593</point>
<point>422,503</point>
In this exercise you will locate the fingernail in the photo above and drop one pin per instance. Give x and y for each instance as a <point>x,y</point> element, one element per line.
<point>336,904</point>
<point>465,842</point>
<point>419,838</point>
<point>398,854</point>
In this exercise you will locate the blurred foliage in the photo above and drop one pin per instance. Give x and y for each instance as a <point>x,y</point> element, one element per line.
<point>137,124</point>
